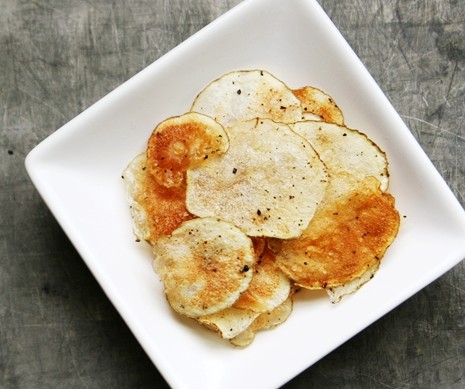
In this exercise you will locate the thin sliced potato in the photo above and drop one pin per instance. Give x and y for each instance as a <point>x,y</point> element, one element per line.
<point>205,265</point>
<point>346,238</point>
<point>248,94</point>
<point>181,142</point>
<point>318,105</point>
<point>336,293</point>
<point>229,322</point>
<point>269,286</point>
<point>269,183</point>
<point>350,158</point>
<point>155,210</point>
<point>257,191</point>
<point>345,151</point>
<point>265,321</point>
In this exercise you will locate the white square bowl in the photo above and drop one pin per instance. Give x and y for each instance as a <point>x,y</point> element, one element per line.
<point>77,170</point>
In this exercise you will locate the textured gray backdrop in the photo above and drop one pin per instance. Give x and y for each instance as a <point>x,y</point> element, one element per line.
<point>57,57</point>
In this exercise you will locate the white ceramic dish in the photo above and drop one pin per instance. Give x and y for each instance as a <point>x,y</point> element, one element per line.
<point>78,169</point>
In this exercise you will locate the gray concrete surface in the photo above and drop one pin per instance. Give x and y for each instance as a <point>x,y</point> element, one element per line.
<point>57,57</point>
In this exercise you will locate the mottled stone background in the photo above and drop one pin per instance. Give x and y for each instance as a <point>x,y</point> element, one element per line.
<point>57,57</point>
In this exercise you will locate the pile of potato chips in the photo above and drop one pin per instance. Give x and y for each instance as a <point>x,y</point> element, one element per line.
<point>256,192</point>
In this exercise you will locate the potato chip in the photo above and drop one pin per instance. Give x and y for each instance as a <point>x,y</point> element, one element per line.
<point>318,105</point>
<point>269,286</point>
<point>257,191</point>
<point>346,238</point>
<point>248,94</point>
<point>229,322</point>
<point>155,210</point>
<point>339,185</point>
<point>269,183</point>
<point>205,265</point>
<point>181,142</point>
<point>265,321</point>
<point>336,293</point>
<point>344,150</point>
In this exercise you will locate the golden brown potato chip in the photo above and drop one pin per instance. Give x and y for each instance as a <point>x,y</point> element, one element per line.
<point>336,293</point>
<point>205,265</point>
<point>269,183</point>
<point>265,321</point>
<point>345,239</point>
<point>350,157</point>
<point>345,151</point>
<point>269,286</point>
<point>318,105</point>
<point>181,142</point>
<point>155,210</point>
<point>248,94</point>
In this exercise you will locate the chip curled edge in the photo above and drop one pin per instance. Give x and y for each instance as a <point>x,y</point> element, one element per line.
<point>180,142</point>
<point>336,293</point>
<point>346,238</point>
<point>247,94</point>
<point>155,209</point>
<point>205,265</point>
<point>269,183</point>
<point>264,321</point>
<point>229,322</point>
<point>318,105</point>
